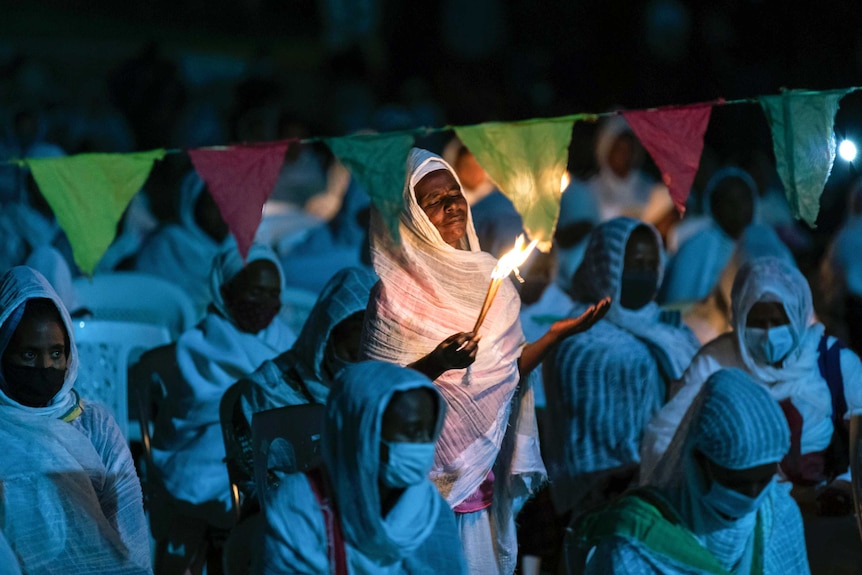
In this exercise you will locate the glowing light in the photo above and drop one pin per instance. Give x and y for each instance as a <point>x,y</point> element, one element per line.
<point>847,150</point>
<point>565,181</point>
<point>508,263</point>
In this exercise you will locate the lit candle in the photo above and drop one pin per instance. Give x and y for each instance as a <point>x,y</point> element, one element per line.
<point>508,263</point>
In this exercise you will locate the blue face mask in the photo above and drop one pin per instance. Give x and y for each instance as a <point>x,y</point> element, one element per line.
<point>731,503</point>
<point>769,346</point>
<point>409,463</point>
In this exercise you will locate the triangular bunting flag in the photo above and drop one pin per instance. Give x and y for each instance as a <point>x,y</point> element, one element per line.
<point>527,161</point>
<point>379,163</point>
<point>240,179</point>
<point>674,139</point>
<point>801,124</point>
<point>89,193</point>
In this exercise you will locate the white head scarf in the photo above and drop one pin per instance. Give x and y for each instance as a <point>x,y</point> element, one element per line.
<point>228,263</point>
<point>600,275</point>
<point>428,291</point>
<point>17,286</point>
<point>736,424</point>
<point>351,453</point>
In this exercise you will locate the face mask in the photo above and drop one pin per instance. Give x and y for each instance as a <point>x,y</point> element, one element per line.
<point>33,386</point>
<point>253,316</point>
<point>731,503</point>
<point>409,463</point>
<point>769,346</point>
<point>332,362</point>
<point>637,288</point>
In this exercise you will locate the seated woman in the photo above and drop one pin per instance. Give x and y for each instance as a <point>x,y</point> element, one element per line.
<point>775,340</point>
<point>69,494</point>
<point>183,252</point>
<point>603,386</point>
<point>371,508</point>
<point>329,340</point>
<point>715,505</point>
<point>240,331</point>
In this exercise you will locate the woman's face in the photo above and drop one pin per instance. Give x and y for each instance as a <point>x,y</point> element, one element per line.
<point>409,418</point>
<point>766,315</point>
<point>440,197</point>
<point>38,342</point>
<point>253,296</point>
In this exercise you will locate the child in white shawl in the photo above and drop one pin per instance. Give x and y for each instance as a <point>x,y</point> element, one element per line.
<point>715,505</point>
<point>371,510</point>
<point>183,252</point>
<point>433,284</point>
<point>241,330</point>
<point>782,355</point>
<point>70,497</point>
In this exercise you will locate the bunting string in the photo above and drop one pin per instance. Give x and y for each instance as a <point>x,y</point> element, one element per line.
<point>524,158</point>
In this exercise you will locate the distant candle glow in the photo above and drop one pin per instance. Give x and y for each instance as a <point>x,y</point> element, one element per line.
<point>847,150</point>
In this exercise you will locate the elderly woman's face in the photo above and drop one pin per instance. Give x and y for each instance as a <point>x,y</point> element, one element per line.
<point>440,197</point>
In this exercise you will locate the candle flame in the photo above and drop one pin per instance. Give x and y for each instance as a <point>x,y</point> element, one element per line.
<point>513,259</point>
<point>565,181</point>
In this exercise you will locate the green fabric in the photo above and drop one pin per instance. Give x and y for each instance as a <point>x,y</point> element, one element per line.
<point>642,515</point>
<point>527,161</point>
<point>801,124</point>
<point>89,193</point>
<point>379,162</point>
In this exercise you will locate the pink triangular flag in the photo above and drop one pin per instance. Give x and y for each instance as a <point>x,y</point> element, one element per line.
<point>240,179</point>
<point>674,139</point>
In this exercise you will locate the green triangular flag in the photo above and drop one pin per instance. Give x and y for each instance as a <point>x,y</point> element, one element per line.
<point>527,161</point>
<point>89,193</point>
<point>804,145</point>
<point>379,162</point>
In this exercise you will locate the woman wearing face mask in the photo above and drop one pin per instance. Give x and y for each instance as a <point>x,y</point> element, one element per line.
<point>603,386</point>
<point>328,342</point>
<point>240,331</point>
<point>715,505</point>
<point>69,494</point>
<point>370,509</point>
<point>777,343</point>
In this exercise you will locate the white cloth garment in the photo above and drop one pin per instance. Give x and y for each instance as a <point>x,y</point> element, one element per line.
<point>188,448</point>
<point>299,375</point>
<point>735,424</point>
<point>618,196</point>
<point>71,497</point>
<point>429,291</point>
<point>696,267</point>
<point>418,535</point>
<point>764,279</point>
<point>183,253</point>
<point>602,386</point>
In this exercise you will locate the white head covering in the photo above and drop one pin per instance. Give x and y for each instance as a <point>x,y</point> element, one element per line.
<point>17,286</point>
<point>428,291</point>
<point>736,424</point>
<point>228,263</point>
<point>351,454</point>
<point>600,275</point>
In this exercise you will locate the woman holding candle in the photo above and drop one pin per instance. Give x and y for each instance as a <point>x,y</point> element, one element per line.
<point>433,283</point>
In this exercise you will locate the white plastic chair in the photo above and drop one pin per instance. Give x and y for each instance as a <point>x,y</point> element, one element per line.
<point>296,304</point>
<point>105,351</point>
<point>137,297</point>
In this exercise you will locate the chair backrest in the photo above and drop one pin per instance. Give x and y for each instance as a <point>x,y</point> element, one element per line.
<point>300,426</point>
<point>138,297</point>
<point>149,378</point>
<point>105,351</point>
<point>296,304</point>
<point>236,432</point>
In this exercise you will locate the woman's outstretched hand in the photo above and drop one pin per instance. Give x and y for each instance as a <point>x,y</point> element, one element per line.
<point>570,326</point>
<point>457,351</point>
